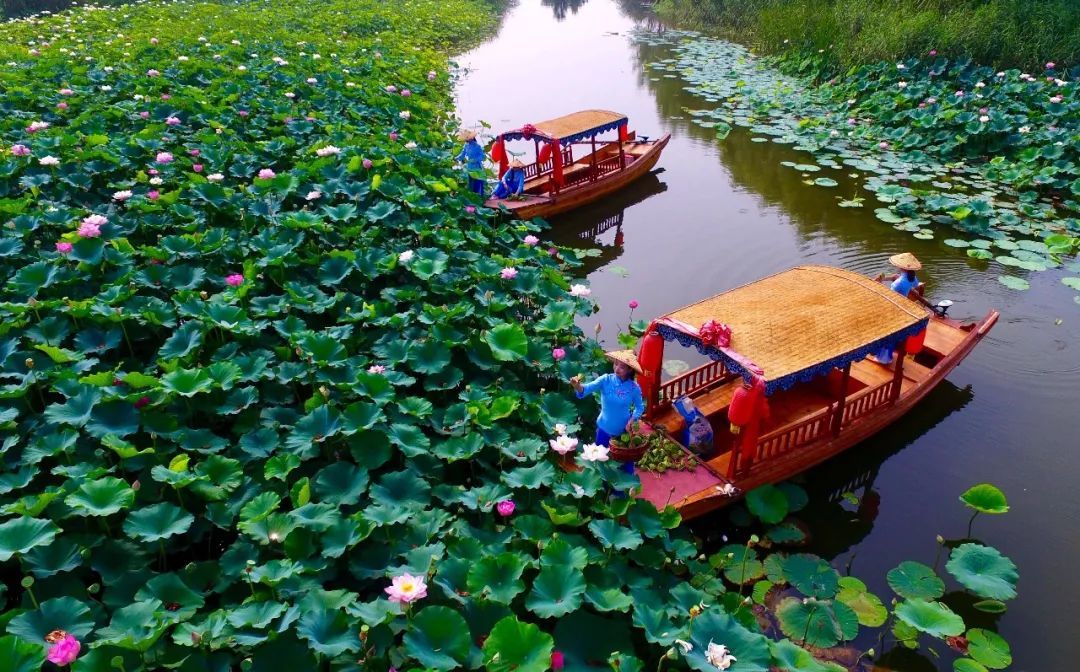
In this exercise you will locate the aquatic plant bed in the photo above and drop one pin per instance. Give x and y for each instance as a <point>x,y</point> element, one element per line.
<point>985,161</point>
<point>279,395</point>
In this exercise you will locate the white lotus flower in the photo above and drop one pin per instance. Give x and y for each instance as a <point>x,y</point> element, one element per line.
<point>687,647</point>
<point>563,444</point>
<point>406,256</point>
<point>215,177</point>
<point>719,656</point>
<point>593,452</point>
<point>328,150</point>
<point>560,429</point>
<point>579,290</point>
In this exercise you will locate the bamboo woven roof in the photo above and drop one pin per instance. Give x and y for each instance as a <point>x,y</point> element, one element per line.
<point>802,322</point>
<point>575,126</point>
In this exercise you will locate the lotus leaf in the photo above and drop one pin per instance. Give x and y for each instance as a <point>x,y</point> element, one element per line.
<point>328,632</point>
<point>811,575</point>
<point>514,646</point>
<point>985,498</point>
<point>102,497</point>
<point>749,648</point>
<point>439,638</point>
<point>157,522</point>
<point>984,571</point>
<point>20,655</point>
<point>989,648</point>
<point>967,665</point>
<point>791,658</point>
<point>20,535</point>
<point>557,591</point>
<point>914,580</point>
<point>1013,282</point>
<point>933,618</point>
<point>768,503</point>
<point>868,607</point>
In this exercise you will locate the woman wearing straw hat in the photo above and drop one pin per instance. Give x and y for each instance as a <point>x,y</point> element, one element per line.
<point>472,155</point>
<point>512,184</point>
<point>904,284</point>
<point>620,396</point>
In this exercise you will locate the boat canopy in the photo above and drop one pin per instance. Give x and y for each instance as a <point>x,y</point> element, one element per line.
<point>797,325</point>
<point>570,128</point>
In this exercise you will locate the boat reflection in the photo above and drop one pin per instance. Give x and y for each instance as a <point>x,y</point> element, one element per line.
<point>843,502</point>
<point>599,225</point>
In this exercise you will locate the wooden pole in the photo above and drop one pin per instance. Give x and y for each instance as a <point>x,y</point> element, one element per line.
<point>622,153</point>
<point>592,158</point>
<point>838,419</point>
<point>898,374</point>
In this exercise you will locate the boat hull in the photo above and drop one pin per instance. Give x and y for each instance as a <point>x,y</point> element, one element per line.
<point>710,497</point>
<point>583,194</point>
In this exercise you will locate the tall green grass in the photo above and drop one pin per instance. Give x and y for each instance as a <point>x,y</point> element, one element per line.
<point>1020,33</point>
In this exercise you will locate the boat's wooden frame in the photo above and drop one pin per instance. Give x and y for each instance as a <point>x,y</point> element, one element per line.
<point>557,184</point>
<point>874,396</point>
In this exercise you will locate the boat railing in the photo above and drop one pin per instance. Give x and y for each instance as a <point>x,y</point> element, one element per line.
<point>693,381</point>
<point>795,435</point>
<point>540,168</point>
<point>607,166</point>
<point>865,402</point>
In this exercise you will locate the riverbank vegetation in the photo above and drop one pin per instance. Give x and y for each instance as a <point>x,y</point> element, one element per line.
<point>999,33</point>
<point>280,394</point>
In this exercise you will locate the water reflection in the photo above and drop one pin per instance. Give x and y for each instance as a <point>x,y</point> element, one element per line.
<point>600,225</point>
<point>560,7</point>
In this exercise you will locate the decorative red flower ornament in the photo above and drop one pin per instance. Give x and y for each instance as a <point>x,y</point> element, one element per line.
<point>715,334</point>
<point>528,130</point>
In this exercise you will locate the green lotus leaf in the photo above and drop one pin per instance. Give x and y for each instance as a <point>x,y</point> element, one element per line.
<point>980,254</point>
<point>514,646</point>
<point>61,555</point>
<point>102,497</point>
<point>255,614</point>
<point>61,613</point>
<point>743,565</point>
<point>991,606</point>
<point>767,503</point>
<point>789,657</point>
<point>1013,282</point>
<point>933,618</point>
<point>76,410</point>
<point>914,580</point>
<point>796,496</point>
<point>825,182</point>
<point>556,591</point>
<point>439,638</point>
<point>185,339</point>
<point>157,522</point>
<point>715,626</point>
<point>655,623</point>
<point>540,475</point>
<point>497,578</point>
<point>507,342</point>
<point>459,447</point>
<point>312,430</point>
<point>815,620</point>
<point>341,483</point>
<point>967,665</point>
<point>560,553</point>
<point>328,632</point>
<point>613,535</point>
<point>811,575</point>
<point>989,648</point>
<point>187,382</point>
<point>169,589</point>
<point>428,356</point>
<point>985,498</point>
<point>20,655</point>
<point>410,439</point>
<point>869,608</point>
<point>20,535</point>
<point>984,571</point>
<point>786,533</point>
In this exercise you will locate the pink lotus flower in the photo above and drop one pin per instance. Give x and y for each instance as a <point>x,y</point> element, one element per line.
<point>390,88</point>
<point>1055,99</point>
<point>152,73</point>
<point>153,195</point>
<point>36,126</point>
<point>143,401</point>
<point>242,113</point>
<point>883,145</point>
<point>407,588</point>
<point>194,152</point>
<point>144,114</point>
<point>851,122</point>
<point>64,650</point>
<point>122,195</point>
<point>234,280</point>
<point>89,230</point>
<point>367,163</point>
<point>431,75</point>
<point>508,273</point>
<point>61,105</point>
<point>313,195</point>
<point>557,660</point>
<point>163,158</point>
<point>66,92</point>
<point>393,135</point>
<point>959,94</point>
<point>579,290</point>
<point>406,93</point>
<point>933,52</point>
<point>531,240</point>
<point>377,369</point>
<point>563,444</point>
<point>470,209</point>
<point>63,248</point>
<point>1050,65</point>
<point>558,353</point>
<point>197,167</point>
<point>633,304</point>
<point>172,121</point>
<point>49,161</point>
<point>152,171</point>
<point>267,174</point>
<point>165,96</point>
<point>505,508</point>
<point>20,150</point>
<point>153,40</point>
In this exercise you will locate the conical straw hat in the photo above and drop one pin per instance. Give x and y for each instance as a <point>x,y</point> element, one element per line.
<point>626,357</point>
<point>905,262</point>
<point>467,134</point>
<point>516,163</point>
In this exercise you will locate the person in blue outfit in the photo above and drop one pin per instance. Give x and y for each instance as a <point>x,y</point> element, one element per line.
<point>905,284</point>
<point>512,184</point>
<point>621,402</point>
<point>472,155</point>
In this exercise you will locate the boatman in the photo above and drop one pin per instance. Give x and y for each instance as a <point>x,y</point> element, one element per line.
<point>472,155</point>
<point>512,184</point>
<point>621,402</point>
<point>905,284</point>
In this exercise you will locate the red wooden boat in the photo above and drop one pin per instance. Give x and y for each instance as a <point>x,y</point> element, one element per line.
<point>791,377</point>
<point>556,181</point>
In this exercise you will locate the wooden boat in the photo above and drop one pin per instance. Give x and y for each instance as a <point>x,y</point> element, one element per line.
<point>801,338</point>
<point>556,181</point>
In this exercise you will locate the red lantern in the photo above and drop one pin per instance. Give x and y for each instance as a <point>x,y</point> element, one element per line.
<point>915,343</point>
<point>650,358</point>
<point>545,153</point>
<point>498,151</point>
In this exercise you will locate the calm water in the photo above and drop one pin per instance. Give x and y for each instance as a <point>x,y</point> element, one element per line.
<point>723,213</point>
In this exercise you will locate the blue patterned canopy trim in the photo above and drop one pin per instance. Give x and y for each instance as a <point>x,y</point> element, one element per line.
<point>572,127</point>
<point>670,333</point>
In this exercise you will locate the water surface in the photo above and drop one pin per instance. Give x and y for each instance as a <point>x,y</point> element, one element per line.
<point>722,213</point>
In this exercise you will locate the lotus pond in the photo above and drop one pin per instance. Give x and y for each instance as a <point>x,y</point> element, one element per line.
<point>725,212</point>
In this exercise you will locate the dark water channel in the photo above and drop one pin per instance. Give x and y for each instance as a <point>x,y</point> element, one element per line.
<point>722,213</point>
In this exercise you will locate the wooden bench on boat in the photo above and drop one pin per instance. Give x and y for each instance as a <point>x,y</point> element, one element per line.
<point>803,337</point>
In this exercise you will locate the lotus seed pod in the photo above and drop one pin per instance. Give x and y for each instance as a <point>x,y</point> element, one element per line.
<point>29,363</point>
<point>27,582</point>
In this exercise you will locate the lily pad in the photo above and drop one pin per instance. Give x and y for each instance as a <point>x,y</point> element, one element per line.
<point>985,498</point>
<point>984,571</point>
<point>716,626</point>
<point>1013,282</point>
<point>933,618</point>
<point>514,646</point>
<point>914,580</point>
<point>989,648</point>
<point>439,638</point>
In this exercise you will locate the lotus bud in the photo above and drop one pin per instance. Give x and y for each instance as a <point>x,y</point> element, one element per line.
<point>870,652</point>
<point>940,539</point>
<point>695,611</point>
<point>29,363</point>
<point>324,392</point>
<point>597,329</point>
<point>117,662</point>
<point>196,638</point>
<point>94,588</point>
<point>275,537</point>
<point>754,539</point>
<point>135,486</point>
<point>27,582</point>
